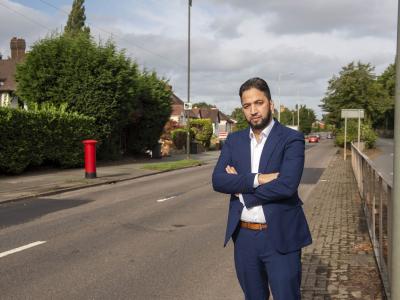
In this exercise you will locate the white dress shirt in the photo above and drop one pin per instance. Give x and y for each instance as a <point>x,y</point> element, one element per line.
<point>255,214</point>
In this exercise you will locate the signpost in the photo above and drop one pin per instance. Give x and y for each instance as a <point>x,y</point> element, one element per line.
<point>352,114</point>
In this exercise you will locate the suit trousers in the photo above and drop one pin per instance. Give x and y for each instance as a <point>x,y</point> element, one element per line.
<point>259,265</point>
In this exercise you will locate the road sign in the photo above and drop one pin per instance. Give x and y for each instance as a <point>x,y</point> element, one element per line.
<point>352,113</point>
<point>187,106</point>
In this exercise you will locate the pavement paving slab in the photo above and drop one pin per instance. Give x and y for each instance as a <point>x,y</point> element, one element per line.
<point>340,263</point>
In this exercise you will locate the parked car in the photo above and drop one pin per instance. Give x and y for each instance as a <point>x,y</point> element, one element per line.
<point>313,139</point>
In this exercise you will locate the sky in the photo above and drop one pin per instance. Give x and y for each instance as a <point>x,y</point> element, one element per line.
<point>301,42</point>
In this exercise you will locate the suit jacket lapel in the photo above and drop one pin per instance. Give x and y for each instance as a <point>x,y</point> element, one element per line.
<point>269,146</point>
<point>246,151</point>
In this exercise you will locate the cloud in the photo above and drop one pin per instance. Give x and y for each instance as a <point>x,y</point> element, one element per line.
<point>24,22</point>
<point>351,18</point>
<point>234,40</point>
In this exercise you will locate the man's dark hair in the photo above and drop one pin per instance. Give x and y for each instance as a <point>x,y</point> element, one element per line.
<point>257,83</point>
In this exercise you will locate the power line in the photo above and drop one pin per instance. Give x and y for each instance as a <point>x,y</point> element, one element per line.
<point>25,16</point>
<point>165,59</point>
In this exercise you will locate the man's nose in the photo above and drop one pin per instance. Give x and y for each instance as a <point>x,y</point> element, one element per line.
<point>253,110</point>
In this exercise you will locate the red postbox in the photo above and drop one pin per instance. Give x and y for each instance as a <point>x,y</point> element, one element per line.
<point>90,158</point>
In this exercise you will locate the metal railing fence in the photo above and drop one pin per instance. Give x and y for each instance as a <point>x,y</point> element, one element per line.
<point>376,192</point>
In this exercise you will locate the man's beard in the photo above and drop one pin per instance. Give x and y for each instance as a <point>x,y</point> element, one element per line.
<point>264,122</point>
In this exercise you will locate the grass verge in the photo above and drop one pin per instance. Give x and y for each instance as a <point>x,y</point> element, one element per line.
<point>172,165</point>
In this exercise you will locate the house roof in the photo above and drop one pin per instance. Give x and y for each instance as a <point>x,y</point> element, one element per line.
<point>176,100</point>
<point>214,114</point>
<point>198,113</point>
<point>7,75</point>
<point>224,117</point>
<point>177,105</point>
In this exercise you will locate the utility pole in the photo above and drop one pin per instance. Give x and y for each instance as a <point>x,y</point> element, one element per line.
<point>293,118</point>
<point>394,262</point>
<point>298,110</point>
<point>279,97</point>
<point>188,88</point>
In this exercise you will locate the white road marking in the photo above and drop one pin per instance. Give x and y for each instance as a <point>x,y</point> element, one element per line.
<point>165,199</point>
<point>3,254</point>
<point>323,180</point>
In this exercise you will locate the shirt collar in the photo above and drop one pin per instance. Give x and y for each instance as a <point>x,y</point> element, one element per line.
<point>265,132</point>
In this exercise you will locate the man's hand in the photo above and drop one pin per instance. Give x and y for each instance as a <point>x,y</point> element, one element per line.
<point>230,170</point>
<point>265,178</point>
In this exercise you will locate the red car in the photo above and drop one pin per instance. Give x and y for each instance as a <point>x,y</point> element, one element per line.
<point>313,139</point>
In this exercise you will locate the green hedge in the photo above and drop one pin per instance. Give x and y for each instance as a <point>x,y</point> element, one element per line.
<point>179,137</point>
<point>42,136</point>
<point>203,131</point>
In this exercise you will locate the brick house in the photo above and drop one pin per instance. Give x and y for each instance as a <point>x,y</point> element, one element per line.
<point>7,73</point>
<point>220,121</point>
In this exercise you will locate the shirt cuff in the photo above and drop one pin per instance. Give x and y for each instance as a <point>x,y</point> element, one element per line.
<point>256,183</point>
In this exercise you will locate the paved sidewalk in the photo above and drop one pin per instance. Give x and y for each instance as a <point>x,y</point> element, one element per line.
<point>340,262</point>
<point>40,183</point>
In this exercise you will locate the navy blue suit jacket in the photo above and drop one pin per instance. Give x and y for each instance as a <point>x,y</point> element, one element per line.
<point>284,153</point>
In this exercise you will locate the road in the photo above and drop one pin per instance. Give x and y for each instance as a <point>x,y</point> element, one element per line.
<point>384,160</point>
<point>158,237</point>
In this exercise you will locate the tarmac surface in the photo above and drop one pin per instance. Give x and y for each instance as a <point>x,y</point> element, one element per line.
<point>338,265</point>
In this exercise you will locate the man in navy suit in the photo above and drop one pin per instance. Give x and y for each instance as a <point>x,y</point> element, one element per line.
<point>261,167</point>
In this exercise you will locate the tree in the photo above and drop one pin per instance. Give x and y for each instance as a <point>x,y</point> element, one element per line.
<point>76,19</point>
<point>93,80</point>
<point>287,117</point>
<point>388,80</point>
<point>356,87</point>
<point>239,117</point>
<point>307,118</point>
<point>154,98</point>
<point>101,82</point>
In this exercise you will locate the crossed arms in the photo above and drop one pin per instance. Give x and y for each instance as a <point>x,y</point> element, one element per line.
<point>273,186</point>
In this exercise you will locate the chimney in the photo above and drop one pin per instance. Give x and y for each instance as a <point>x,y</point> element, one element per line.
<point>18,47</point>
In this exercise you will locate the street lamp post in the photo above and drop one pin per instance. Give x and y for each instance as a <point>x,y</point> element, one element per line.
<point>394,259</point>
<point>298,110</point>
<point>279,93</point>
<point>188,87</point>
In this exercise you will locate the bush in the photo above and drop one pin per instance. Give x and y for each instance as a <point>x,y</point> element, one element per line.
<point>179,137</point>
<point>42,136</point>
<point>367,134</point>
<point>203,131</point>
